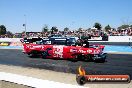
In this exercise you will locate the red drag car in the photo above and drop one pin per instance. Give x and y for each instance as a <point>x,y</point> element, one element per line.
<point>94,52</point>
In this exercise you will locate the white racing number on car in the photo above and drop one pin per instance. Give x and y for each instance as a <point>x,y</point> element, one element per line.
<point>58,51</point>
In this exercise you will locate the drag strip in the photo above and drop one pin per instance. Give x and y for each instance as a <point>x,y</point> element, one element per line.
<point>116,63</point>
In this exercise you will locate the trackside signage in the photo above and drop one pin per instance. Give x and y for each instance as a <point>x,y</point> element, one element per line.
<point>82,78</point>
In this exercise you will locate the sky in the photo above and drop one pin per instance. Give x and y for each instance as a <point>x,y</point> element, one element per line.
<point>63,13</point>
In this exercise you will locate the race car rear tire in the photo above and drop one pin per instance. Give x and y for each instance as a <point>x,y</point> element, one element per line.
<point>88,58</point>
<point>75,59</point>
<point>103,59</point>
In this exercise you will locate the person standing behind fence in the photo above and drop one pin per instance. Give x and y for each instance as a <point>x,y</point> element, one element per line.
<point>86,43</point>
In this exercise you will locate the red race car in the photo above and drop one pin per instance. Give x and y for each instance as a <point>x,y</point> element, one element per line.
<point>54,51</point>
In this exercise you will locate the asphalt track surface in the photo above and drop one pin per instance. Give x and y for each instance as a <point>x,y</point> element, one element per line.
<point>116,63</point>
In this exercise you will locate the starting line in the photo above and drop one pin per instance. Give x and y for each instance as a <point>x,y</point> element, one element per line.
<point>34,82</point>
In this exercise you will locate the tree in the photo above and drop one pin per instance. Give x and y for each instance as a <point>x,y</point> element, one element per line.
<point>10,34</point>
<point>131,26</point>
<point>66,29</point>
<point>80,29</point>
<point>123,27</point>
<point>107,28</point>
<point>54,29</point>
<point>45,28</point>
<point>98,26</point>
<point>2,30</point>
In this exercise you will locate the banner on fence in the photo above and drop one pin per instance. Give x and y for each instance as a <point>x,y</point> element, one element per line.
<point>4,43</point>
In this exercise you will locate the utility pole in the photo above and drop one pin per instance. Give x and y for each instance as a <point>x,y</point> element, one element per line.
<point>25,25</point>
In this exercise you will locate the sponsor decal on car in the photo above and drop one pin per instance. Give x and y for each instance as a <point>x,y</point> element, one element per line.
<point>73,50</point>
<point>58,51</point>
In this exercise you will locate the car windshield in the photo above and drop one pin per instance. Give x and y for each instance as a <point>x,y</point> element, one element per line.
<point>31,40</point>
<point>71,41</point>
<point>59,42</point>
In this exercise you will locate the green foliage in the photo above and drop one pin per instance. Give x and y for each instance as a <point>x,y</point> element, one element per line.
<point>123,27</point>
<point>45,28</point>
<point>80,29</point>
<point>66,29</point>
<point>131,26</point>
<point>107,28</point>
<point>2,30</point>
<point>98,26</point>
<point>10,34</point>
<point>54,29</point>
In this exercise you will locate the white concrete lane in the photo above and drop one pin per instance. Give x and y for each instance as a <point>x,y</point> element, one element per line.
<point>35,82</point>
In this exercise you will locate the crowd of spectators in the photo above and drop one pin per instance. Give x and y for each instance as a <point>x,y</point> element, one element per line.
<point>78,33</point>
<point>122,32</point>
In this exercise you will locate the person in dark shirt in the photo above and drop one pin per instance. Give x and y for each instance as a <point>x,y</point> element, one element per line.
<point>86,43</point>
<point>79,42</point>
